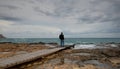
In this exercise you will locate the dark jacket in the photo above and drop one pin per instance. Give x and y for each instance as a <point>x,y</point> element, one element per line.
<point>61,36</point>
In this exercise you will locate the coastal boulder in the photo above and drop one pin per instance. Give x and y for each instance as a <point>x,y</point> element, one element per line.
<point>1,36</point>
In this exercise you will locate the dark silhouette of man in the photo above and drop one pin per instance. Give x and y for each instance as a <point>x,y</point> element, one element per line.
<point>61,37</point>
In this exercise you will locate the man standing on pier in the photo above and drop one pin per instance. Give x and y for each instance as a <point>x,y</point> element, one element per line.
<point>61,37</point>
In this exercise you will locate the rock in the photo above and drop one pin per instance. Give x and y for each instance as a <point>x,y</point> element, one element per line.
<point>68,51</point>
<point>21,52</point>
<point>115,61</point>
<point>1,36</point>
<point>73,66</point>
<point>111,53</point>
<point>67,66</point>
<point>5,42</point>
<point>53,43</point>
<point>23,67</point>
<point>29,65</point>
<point>35,63</point>
<point>89,67</point>
<point>41,43</point>
<point>37,43</point>
<point>6,54</point>
<point>45,66</point>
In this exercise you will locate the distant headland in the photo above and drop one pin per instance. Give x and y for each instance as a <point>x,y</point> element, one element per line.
<point>1,36</point>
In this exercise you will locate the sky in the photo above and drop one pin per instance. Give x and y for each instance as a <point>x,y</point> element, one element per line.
<point>48,18</point>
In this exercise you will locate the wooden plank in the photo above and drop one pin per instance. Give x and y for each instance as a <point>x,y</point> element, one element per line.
<point>19,59</point>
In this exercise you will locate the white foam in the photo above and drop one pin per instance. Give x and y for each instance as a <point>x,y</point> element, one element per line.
<point>93,46</point>
<point>85,46</point>
<point>113,45</point>
<point>69,43</point>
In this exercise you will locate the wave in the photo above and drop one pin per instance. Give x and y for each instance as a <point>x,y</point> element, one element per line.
<point>85,46</point>
<point>95,46</point>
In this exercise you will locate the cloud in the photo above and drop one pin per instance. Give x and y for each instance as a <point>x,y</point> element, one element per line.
<point>7,18</point>
<point>4,24</point>
<point>8,28</point>
<point>11,7</point>
<point>74,17</point>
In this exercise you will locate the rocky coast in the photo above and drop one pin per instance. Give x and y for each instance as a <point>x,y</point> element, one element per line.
<point>106,57</point>
<point>8,49</point>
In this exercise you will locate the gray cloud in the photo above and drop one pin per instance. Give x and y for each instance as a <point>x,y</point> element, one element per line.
<point>74,17</point>
<point>62,8</point>
<point>58,12</point>
<point>47,13</point>
<point>11,7</point>
<point>10,18</point>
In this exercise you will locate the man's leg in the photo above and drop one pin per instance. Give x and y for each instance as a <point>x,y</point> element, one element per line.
<point>61,43</point>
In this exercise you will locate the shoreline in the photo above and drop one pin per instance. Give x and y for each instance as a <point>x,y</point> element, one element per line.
<point>11,49</point>
<point>99,58</point>
<point>78,59</point>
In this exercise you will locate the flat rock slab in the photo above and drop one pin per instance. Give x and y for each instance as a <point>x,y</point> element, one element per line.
<point>115,61</point>
<point>19,59</point>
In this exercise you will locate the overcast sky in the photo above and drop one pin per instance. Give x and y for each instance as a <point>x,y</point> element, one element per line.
<point>47,18</point>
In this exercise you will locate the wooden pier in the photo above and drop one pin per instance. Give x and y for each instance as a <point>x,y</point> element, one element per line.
<point>23,58</point>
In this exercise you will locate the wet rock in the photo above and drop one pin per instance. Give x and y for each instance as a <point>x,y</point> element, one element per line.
<point>53,43</point>
<point>41,43</point>
<point>37,43</point>
<point>5,42</point>
<point>111,43</point>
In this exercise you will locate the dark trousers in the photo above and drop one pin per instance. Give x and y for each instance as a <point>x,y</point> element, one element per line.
<point>62,43</point>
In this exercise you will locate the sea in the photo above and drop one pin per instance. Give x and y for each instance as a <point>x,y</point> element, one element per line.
<point>78,42</point>
<point>68,41</point>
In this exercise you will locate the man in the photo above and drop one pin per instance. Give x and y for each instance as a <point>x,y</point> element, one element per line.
<point>61,37</point>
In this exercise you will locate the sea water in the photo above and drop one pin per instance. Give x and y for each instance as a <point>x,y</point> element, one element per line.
<point>67,40</point>
<point>79,42</point>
